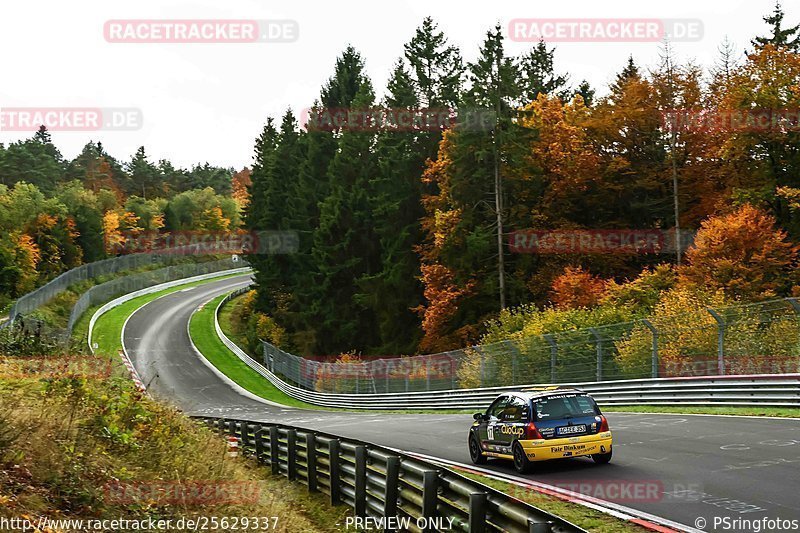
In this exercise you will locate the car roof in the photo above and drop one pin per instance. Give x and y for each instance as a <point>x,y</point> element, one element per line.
<point>533,393</point>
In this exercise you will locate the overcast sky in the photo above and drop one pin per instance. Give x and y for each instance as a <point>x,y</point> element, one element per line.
<point>208,102</point>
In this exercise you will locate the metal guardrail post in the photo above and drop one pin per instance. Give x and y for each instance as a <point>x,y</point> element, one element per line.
<point>392,485</point>
<point>243,434</point>
<point>221,427</point>
<point>720,340</point>
<point>334,451</point>
<point>654,353</point>
<point>477,512</point>
<point>311,461</point>
<point>599,341</point>
<point>360,490</point>
<point>553,356</point>
<point>274,450</point>
<point>430,495</point>
<point>291,453</point>
<point>539,527</point>
<point>794,303</point>
<point>259,436</point>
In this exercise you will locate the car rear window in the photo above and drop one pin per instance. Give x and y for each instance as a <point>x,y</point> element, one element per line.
<point>557,407</point>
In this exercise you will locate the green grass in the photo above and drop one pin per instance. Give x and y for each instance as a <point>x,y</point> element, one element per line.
<point>585,517</point>
<point>707,410</point>
<point>201,329</point>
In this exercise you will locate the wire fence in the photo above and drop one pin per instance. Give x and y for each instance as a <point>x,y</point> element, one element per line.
<point>107,291</point>
<point>762,338</point>
<point>26,324</point>
<point>34,300</point>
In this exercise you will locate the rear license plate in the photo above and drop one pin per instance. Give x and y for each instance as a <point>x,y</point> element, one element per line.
<point>571,430</point>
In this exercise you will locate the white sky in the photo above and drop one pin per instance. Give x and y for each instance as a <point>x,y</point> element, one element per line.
<point>208,102</point>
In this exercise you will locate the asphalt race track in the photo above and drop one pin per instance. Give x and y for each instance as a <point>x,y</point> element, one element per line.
<point>700,466</point>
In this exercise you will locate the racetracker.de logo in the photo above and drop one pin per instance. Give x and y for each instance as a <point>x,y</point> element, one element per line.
<point>150,31</point>
<point>255,242</point>
<point>373,119</point>
<point>70,118</point>
<point>194,493</point>
<point>611,30</point>
<point>598,241</point>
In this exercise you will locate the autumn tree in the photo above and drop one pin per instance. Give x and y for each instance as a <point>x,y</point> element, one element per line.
<point>577,288</point>
<point>743,255</point>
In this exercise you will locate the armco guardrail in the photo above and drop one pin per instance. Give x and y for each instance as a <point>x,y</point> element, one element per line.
<point>781,390</point>
<point>378,482</point>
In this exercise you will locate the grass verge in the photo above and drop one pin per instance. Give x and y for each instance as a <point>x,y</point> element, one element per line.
<point>73,447</point>
<point>782,412</point>
<point>585,517</point>
<point>204,336</point>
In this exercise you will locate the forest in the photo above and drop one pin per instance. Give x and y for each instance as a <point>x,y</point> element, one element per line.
<point>409,222</point>
<point>407,232</point>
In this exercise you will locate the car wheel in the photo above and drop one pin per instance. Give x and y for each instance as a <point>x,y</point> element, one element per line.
<point>603,458</point>
<point>521,463</point>
<point>475,451</point>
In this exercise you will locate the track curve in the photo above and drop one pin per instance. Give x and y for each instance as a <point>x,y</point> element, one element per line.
<point>688,466</point>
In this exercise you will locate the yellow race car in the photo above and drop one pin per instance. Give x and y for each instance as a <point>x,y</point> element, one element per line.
<point>538,425</point>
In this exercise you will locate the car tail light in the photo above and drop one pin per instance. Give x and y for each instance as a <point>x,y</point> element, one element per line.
<point>531,432</point>
<point>603,424</point>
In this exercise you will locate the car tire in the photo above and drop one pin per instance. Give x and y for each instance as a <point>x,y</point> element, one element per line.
<point>521,462</point>
<point>475,451</point>
<point>603,458</point>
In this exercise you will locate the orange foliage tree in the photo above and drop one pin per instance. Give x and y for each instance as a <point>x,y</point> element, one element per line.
<point>577,288</point>
<point>743,255</point>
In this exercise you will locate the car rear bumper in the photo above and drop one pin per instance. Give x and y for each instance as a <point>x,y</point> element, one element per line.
<point>542,450</point>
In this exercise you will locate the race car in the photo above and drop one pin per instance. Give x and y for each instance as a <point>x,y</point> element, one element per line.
<point>540,424</point>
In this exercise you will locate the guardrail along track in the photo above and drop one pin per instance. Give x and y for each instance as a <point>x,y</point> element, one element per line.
<point>781,390</point>
<point>377,482</point>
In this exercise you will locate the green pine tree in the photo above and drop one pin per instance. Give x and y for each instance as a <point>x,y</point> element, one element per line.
<point>781,37</point>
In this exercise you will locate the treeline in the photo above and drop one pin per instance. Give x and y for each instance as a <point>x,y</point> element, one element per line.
<point>404,233</point>
<point>56,214</point>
